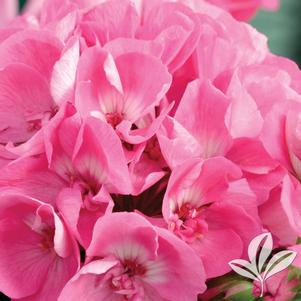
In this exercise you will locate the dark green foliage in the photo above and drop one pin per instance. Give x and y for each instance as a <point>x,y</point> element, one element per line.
<point>22,2</point>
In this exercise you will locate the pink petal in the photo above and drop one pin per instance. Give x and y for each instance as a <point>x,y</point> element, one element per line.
<point>125,235</point>
<point>98,156</point>
<point>58,274</point>
<point>145,173</point>
<point>273,135</point>
<point>145,133</point>
<point>251,156</point>
<point>37,49</point>
<point>83,284</point>
<point>209,249</point>
<point>65,27</point>
<point>21,107</point>
<point>30,176</point>
<point>244,118</point>
<point>226,215</point>
<point>112,19</point>
<point>198,183</point>
<point>175,26</point>
<point>207,124</point>
<point>64,73</point>
<point>240,193</point>
<point>221,51</point>
<point>21,219</point>
<point>187,270</point>
<point>176,143</point>
<point>123,45</point>
<point>59,138</point>
<point>262,184</point>
<point>278,222</point>
<point>105,99</point>
<point>19,247</point>
<point>141,94</point>
<point>69,203</point>
<point>81,220</point>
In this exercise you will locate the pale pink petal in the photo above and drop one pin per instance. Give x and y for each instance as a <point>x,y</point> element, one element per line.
<point>141,94</point>
<point>164,275</point>
<point>69,203</point>
<point>64,74</point>
<point>207,124</point>
<point>176,143</point>
<point>251,156</point>
<point>33,6</point>
<point>175,26</point>
<point>144,171</point>
<point>225,215</point>
<point>98,68</point>
<point>84,284</point>
<point>126,45</point>
<point>98,156</point>
<point>221,51</point>
<point>23,110</point>
<point>198,183</point>
<point>112,19</point>
<point>65,28</point>
<point>30,176</point>
<point>240,193</point>
<point>60,137</point>
<point>58,274</point>
<point>131,237</point>
<point>243,117</point>
<point>37,49</point>
<point>19,249</point>
<point>273,135</point>
<point>262,184</point>
<point>284,223</point>
<point>144,133</point>
<point>209,249</point>
<point>23,221</point>
<point>54,11</point>
<point>9,9</point>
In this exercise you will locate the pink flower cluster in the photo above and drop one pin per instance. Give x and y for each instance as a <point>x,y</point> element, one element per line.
<point>143,145</point>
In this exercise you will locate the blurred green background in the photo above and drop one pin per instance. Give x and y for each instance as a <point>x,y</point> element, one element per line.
<point>283,28</point>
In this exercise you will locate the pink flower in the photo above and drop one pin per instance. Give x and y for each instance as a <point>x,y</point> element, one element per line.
<point>135,261</point>
<point>171,110</point>
<point>220,126</point>
<point>37,253</point>
<point>198,209</point>
<point>78,171</point>
<point>119,97</point>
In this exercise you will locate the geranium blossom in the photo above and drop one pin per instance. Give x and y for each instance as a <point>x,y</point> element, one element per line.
<point>135,261</point>
<point>35,241</point>
<point>143,145</point>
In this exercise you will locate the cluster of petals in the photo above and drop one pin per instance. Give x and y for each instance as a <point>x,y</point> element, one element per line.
<point>143,145</point>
